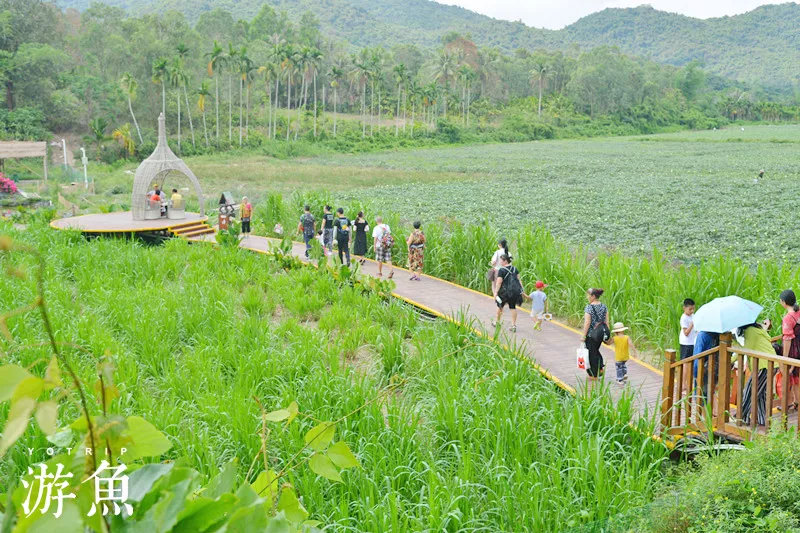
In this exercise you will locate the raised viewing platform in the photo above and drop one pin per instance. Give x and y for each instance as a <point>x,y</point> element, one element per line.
<point>123,222</point>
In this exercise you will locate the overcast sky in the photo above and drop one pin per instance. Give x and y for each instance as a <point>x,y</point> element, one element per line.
<point>557,14</point>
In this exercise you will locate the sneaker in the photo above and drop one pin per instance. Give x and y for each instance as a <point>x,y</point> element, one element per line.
<point>513,328</point>
<point>496,324</point>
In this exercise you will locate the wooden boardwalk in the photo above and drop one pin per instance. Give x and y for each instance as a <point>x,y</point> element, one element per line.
<point>552,349</point>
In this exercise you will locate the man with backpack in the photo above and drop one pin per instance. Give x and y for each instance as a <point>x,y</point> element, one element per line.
<point>327,229</point>
<point>382,243</point>
<point>507,291</point>
<point>307,227</point>
<point>342,227</point>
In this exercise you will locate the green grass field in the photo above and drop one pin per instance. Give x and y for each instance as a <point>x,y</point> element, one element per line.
<point>472,439</point>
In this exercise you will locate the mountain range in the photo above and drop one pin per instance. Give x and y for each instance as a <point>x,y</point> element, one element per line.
<point>761,46</point>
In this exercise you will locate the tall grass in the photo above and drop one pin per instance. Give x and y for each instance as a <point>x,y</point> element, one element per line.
<point>473,439</point>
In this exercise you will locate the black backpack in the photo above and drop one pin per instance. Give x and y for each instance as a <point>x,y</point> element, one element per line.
<point>511,288</point>
<point>600,332</point>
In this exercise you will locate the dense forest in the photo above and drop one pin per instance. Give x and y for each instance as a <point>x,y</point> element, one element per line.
<point>760,47</point>
<point>226,82</point>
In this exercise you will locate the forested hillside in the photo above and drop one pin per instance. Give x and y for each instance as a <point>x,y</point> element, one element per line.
<point>762,46</point>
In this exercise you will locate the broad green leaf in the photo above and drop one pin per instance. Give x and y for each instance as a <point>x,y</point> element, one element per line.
<point>10,377</point>
<point>277,416</point>
<point>341,455</point>
<point>223,482</point>
<point>142,479</point>
<point>320,464</point>
<point>291,506</point>
<point>30,387</point>
<point>320,436</point>
<point>62,439</point>
<point>18,417</point>
<point>251,519</point>
<point>47,417</point>
<point>278,524</point>
<point>52,376</point>
<point>166,509</point>
<point>147,440</point>
<point>69,521</point>
<point>293,410</point>
<point>201,514</point>
<point>265,485</point>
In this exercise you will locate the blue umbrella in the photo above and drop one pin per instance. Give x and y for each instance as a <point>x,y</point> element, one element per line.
<point>724,314</point>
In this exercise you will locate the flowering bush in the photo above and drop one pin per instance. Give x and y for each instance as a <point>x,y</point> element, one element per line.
<point>7,185</point>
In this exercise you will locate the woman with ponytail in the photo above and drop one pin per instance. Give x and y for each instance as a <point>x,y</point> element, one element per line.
<point>790,327</point>
<point>502,249</point>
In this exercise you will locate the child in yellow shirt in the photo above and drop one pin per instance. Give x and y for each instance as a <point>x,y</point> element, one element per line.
<point>622,348</point>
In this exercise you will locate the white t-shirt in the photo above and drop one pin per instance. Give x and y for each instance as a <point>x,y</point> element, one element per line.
<point>496,258</point>
<point>379,230</point>
<point>537,301</point>
<point>689,340</point>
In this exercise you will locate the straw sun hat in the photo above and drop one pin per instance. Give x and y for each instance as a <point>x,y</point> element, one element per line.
<point>618,327</point>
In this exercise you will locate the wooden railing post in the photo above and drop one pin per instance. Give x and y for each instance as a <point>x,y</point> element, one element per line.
<point>666,390</point>
<point>724,390</point>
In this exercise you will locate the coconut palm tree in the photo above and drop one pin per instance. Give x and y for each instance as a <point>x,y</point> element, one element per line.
<point>160,78</point>
<point>445,69</point>
<point>202,94</point>
<point>302,61</point>
<point>177,78</point>
<point>183,51</point>
<point>335,74</point>
<point>123,136</point>
<point>539,73</point>
<point>288,63</point>
<point>129,85</point>
<point>98,126</point>
<point>269,70</point>
<point>277,57</point>
<point>315,60</point>
<point>376,77</point>
<point>414,93</point>
<point>361,73</point>
<point>216,61</point>
<point>232,65</point>
<point>245,69</point>
<point>400,74</point>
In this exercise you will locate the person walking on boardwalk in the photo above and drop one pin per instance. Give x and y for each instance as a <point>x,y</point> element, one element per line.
<point>416,246</point>
<point>342,227</point>
<point>596,331</point>
<point>494,262</point>
<point>622,348</point>
<point>308,227</point>
<point>538,305</point>
<point>245,213</point>
<point>360,237</point>
<point>327,228</point>
<point>508,291</point>
<point>382,244</point>
<point>790,328</point>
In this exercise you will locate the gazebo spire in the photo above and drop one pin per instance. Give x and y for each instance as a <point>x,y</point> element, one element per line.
<point>162,130</point>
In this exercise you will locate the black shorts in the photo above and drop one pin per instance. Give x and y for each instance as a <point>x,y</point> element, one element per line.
<point>246,225</point>
<point>687,350</point>
<point>511,305</point>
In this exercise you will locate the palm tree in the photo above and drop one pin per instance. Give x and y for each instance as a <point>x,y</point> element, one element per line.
<point>400,73</point>
<point>288,57</point>
<point>376,75</point>
<point>160,78</point>
<point>277,57</point>
<point>245,69</point>
<point>361,72</point>
<point>177,78</point>
<point>216,60</point>
<point>414,93</point>
<point>123,136</point>
<point>302,61</point>
<point>231,62</point>
<point>202,94</point>
<point>539,73</point>
<point>269,71</point>
<point>466,75</point>
<point>98,127</point>
<point>335,75</point>
<point>316,58</point>
<point>129,85</point>
<point>183,51</point>
<point>445,68</point>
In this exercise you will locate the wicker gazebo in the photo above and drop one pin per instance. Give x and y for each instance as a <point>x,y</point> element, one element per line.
<point>153,170</point>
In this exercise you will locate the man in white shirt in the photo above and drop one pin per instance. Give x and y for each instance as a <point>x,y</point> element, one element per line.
<point>383,253</point>
<point>687,338</point>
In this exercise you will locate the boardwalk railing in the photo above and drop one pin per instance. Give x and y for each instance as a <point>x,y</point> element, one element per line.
<point>713,391</point>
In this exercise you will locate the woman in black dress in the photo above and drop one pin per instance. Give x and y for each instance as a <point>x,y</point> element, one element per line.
<point>595,313</point>
<point>360,242</point>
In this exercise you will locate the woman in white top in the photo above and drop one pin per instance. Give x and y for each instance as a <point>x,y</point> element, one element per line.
<point>502,249</point>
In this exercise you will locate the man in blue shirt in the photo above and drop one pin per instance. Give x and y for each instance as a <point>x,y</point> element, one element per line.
<point>705,341</point>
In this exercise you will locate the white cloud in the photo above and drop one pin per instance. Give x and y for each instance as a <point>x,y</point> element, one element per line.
<point>557,14</point>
